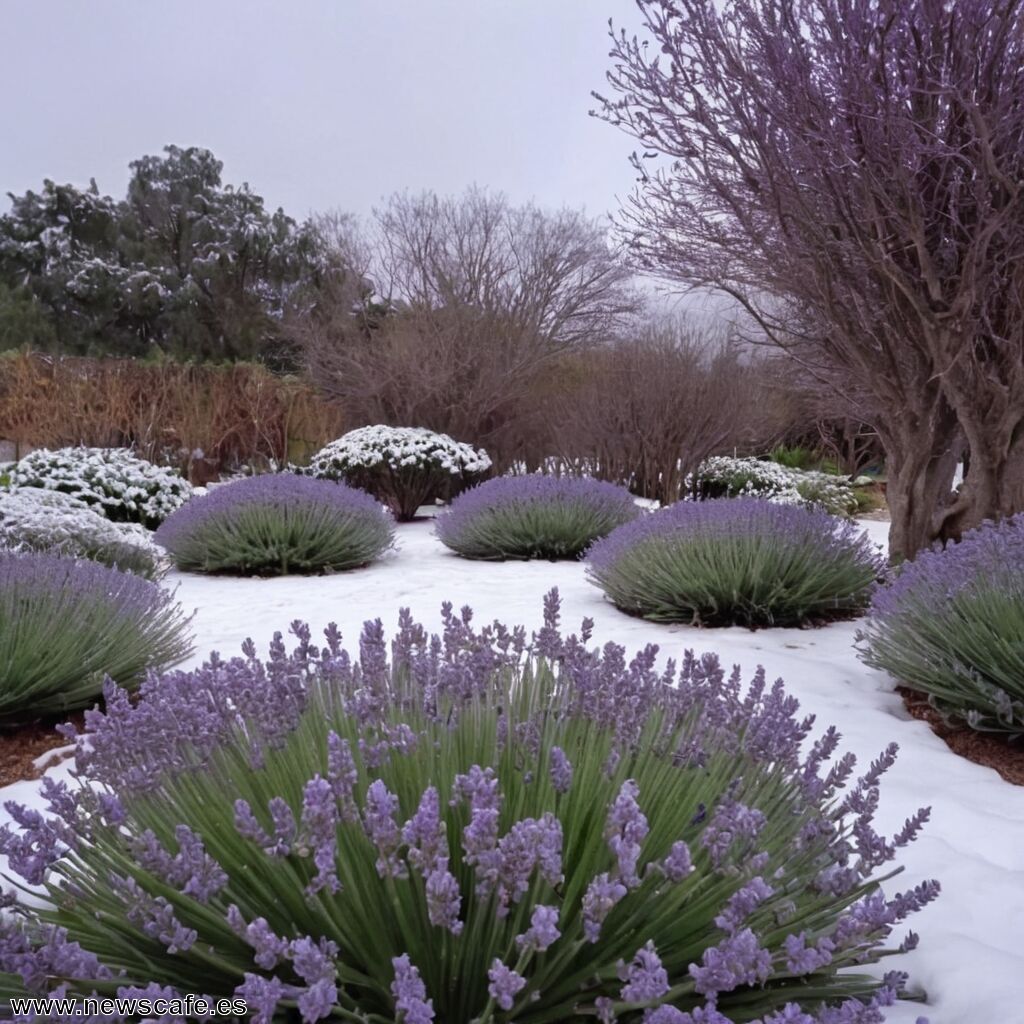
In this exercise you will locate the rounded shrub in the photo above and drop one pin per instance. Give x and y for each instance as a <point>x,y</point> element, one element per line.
<point>67,623</point>
<point>951,625</point>
<point>741,561</point>
<point>33,519</point>
<point>467,831</point>
<point>534,517</point>
<point>277,524</point>
<point>404,467</point>
<point>114,481</point>
<point>724,476</point>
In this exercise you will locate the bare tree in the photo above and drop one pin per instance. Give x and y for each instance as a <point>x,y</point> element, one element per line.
<point>853,174</point>
<point>474,299</point>
<point>646,409</point>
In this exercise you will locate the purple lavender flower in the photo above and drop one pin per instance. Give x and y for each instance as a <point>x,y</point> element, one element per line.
<point>381,827</point>
<point>285,828</point>
<point>601,896</point>
<point>444,899</point>
<point>543,931</point>
<point>533,516</point>
<point>804,959</point>
<point>410,993</point>
<point>560,770</point>
<point>248,827</point>
<point>528,844</point>
<point>424,833</point>
<point>731,827</point>
<point>645,978</point>
<point>319,831</point>
<point>342,775</point>
<point>313,962</point>
<point>480,837</point>
<point>625,831</point>
<point>743,903</point>
<point>670,1015</point>
<point>153,915</point>
<point>678,864</point>
<point>505,983</point>
<point>270,949</point>
<point>191,870</point>
<point>791,1013</point>
<point>261,996</point>
<point>738,960</point>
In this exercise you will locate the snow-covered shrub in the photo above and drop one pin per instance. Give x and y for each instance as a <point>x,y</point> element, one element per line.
<point>34,519</point>
<point>742,561</point>
<point>117,483</point>
<point>276,524</point>
<point>534,517</point>
<point>65,623</point>
<point>723,476</point>
<point>404,467</point>
<point>467,831</point>
<point>951,625</point>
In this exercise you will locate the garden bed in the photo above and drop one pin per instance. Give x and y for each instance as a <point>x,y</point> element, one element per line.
<point>993,750</point>
<point>972,843</point>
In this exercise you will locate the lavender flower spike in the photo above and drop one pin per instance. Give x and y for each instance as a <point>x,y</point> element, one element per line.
<point>410,993</point>
<point>505,984</point>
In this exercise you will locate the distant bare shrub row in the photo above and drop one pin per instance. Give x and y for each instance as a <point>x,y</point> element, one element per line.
<point>203,419</point>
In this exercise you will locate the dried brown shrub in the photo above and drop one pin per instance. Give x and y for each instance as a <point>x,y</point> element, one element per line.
<point>203,419</point>
<point>646,410</point>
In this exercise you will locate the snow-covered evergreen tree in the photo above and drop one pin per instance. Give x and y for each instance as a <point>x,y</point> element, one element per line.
<point>185,264</point>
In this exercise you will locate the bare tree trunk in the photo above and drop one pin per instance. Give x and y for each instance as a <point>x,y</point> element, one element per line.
<point>921,458</point>
<point>993,486</point>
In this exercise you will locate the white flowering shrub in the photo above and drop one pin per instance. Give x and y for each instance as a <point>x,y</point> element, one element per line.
<point>723,476</point>
<point>120,485</point>
<point>404,467</point>
<point>35,519</point>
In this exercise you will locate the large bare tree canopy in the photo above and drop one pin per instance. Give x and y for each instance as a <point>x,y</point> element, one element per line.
<point>553,274</point>
<point>472,298</point>
<point>852,172</point>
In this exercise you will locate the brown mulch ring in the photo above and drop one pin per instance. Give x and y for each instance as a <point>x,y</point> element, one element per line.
<point>20,747</point>
<point>993,750</point>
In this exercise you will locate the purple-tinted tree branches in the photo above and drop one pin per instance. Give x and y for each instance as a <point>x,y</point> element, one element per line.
<point>853,174</point>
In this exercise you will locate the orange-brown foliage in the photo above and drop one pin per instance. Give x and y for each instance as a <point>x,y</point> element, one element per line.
<point>234,415</point>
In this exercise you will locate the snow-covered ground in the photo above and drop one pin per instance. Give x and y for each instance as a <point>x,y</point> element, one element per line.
<point>971,958</point>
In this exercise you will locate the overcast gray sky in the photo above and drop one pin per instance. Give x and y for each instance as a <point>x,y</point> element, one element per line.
<point>318,104</point>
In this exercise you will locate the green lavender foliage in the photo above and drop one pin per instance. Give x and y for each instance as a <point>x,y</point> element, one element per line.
<point>736,561</point>
<point>66,624</point>
<point>534,517</point>
<point>277,524</point>
<point>951,625</point>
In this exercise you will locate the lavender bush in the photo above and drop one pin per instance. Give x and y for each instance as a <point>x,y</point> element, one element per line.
<point>534,517</point>
<point>114,481</point>
<point>67,623</point>
<point>951,624</point>
<point>405,467</point>
<point>741,561</point>
<point>473,830</point>
<point>277,524</point>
